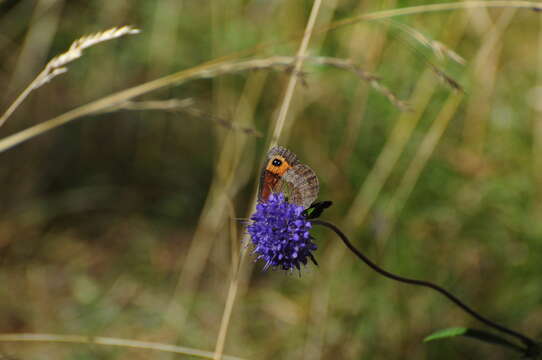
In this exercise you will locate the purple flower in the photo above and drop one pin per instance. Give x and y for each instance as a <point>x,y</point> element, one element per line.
<point>280,234</point>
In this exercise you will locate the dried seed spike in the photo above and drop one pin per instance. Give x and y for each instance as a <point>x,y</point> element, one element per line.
<point>76,49</point>
<point>56,65</point>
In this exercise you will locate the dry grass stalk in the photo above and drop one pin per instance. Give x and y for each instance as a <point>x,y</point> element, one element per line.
<point>537,130</point>
<point>288,62</point>
<point>186,106</point>
<point>165,105</point>
<point>373,80</point>
<point>56,65</point>
<point>423,9</point>
<point>447,79</point>
<point>233,288</point>
<point>228,124</point>
<point>485,75</point>
<point>202,72</point>
<point>281,118</point>
<point>108,341</point>
<point>439,49</point>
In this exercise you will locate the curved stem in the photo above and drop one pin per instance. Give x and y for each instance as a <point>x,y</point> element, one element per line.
<point>524,339</point>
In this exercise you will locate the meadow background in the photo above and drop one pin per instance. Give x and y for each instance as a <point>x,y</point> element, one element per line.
<point>122,224</point>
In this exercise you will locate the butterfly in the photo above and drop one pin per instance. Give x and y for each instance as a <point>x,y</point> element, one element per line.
<point>283,173</point>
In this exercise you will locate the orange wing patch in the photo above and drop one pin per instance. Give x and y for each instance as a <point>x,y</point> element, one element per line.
<point>275,168</point>
<point>277,165</point>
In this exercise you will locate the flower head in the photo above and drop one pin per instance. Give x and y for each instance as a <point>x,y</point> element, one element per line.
<point>280,234</point>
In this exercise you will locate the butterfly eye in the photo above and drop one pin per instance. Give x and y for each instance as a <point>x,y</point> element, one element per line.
<point>276,162</point>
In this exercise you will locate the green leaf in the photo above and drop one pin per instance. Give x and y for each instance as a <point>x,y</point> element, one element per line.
<point>446,333</point>
<point>474,334</point>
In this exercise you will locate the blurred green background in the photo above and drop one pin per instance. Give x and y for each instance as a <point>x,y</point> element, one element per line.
<point>123,224</point>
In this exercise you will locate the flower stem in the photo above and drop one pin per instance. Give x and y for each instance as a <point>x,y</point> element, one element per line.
<point>529,343</point>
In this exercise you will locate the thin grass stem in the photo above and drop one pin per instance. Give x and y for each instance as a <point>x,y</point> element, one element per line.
<point>108,341</point>
<point>232,289</point>
<point>281,119</point>
<point>421,9</point>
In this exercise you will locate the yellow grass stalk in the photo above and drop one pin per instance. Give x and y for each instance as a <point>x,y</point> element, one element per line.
<point>108,341</point>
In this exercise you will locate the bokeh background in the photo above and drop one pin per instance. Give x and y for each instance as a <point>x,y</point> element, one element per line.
<point>122,224</point>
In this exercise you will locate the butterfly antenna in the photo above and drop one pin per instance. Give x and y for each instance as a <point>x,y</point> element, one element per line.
<point>241,220</point>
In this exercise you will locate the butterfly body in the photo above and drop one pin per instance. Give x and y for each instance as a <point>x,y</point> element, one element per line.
<point>284,173</point>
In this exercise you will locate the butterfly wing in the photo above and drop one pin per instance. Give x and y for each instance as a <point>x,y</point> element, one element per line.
<point>299,184</point>
<point>283,173</point>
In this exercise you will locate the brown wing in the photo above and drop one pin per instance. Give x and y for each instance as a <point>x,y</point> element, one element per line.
<point>300,184</point>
